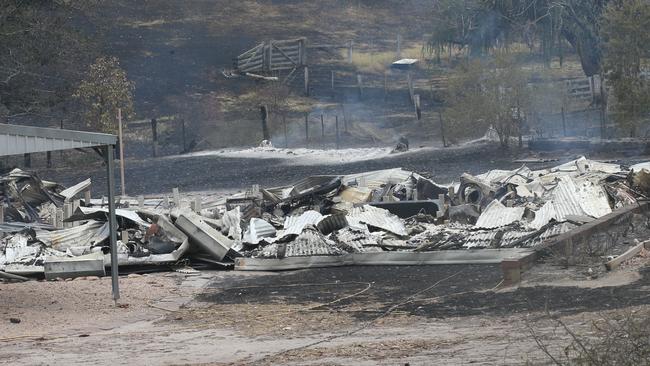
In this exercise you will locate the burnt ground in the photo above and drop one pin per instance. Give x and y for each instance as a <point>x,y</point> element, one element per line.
<point>205,173</point>
<point>209,173</point>
<point>426,291</point>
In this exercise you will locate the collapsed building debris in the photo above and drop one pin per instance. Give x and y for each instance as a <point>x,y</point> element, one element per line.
<point>390,210</point>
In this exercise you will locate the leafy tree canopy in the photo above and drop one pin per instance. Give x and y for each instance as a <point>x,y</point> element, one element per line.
<point>103,91</point>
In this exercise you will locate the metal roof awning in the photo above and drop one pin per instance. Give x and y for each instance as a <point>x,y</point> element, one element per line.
<point>17,140</point>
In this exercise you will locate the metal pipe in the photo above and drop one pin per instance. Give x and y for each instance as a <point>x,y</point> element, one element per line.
<point>119,123</point>
<point>112,220</point>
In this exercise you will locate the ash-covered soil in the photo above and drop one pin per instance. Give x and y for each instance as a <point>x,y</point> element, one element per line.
<point>426,291</point>
<point>205,173</point>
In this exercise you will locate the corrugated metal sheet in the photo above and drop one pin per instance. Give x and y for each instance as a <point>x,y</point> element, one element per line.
<point>497,215</point>
<point>15,140</point>
<point>452,235</point>
<point>257,230</point>
<point>544,215</point>
<point>332,223</point>
<point>357,241</point>
<point>309,242</point>
<point>572,197</point>
<point>294,225</point>
<point>376,217</point>
<point>484,238</point>
<point>592,197</point>
<point>86,235</point>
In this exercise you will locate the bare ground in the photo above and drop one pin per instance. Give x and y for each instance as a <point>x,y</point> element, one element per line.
<point>352,315</point>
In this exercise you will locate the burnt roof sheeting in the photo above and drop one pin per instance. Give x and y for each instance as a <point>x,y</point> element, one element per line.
<point>573,197</point>
<point>592,197</point>
<point>86,235</point>
<point>294,225</point>
<point>357,241</point>
<point>485,238</point>
<point>376,217</point>
<point>497,215</point>
<point>378,178</point>
<point>94,213</point>
<point>15,140</point>
<point>309,242</point>
<point>257,230</point>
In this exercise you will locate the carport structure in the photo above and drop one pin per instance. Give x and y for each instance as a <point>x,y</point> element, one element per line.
<point>20,140</point>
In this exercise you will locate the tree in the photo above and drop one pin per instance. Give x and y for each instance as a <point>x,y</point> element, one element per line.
<point>627,51</point>
<point>40,54</point>
<point>105,89</point>
<point>452,24</point>
<point>480,96</point>
<point>548,21</point>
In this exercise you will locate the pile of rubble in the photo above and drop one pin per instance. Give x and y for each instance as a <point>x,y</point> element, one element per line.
<point>378,211</point>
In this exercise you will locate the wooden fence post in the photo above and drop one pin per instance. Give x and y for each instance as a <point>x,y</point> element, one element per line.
<point>196,205</point>
<point>416,104</point>
<point>563,122</point>
<point>359,85</point>
<point>67,212</point>
<point>307,127</point>
<point>49,159</point>
<point>183,127</point>
<point>61,152</point>
<point>87,197</point>
<point>306,81</point>
<point>75,205</point>
<point>177,197</point>
<point>442,129</point>
<point>154,136</point>
<point>322,125</point>
<point>338,136</point>
<point>332,80</point>
<point>264,113</point>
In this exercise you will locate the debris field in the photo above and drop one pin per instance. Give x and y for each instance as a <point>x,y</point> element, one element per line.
<point>46,229</point>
